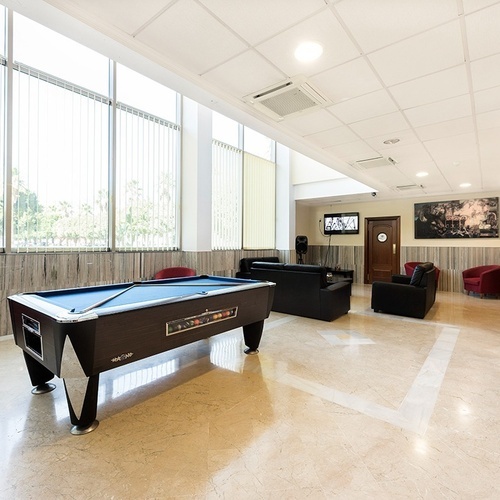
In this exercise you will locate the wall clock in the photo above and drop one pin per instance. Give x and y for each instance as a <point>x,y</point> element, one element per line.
<point>382,237</point>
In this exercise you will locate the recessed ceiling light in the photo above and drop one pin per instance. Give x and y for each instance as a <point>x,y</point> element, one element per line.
<point>308,51</point>
<point>465,185</point>
<point>391,141</point>
<point>422,174</point>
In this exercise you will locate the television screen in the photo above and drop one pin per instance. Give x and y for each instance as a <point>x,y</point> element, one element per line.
<point>347,223</point>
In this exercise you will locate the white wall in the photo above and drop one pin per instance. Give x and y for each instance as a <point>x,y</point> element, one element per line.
<point>308,217</point>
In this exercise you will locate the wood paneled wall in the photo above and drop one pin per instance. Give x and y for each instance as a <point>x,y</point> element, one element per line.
<point>32,272</point>
<point>450,260</point>
<point>36,272</point>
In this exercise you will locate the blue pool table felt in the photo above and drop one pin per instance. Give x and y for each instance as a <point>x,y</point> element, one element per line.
<point>75,300</point>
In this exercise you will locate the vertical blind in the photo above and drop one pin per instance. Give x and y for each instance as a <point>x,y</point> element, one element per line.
<point>147,164</point>
<point>59,164</point>
<point>226,196</point>
<point>259,207</point>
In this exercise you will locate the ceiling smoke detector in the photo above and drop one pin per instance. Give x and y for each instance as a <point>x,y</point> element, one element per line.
<point>291,97</point>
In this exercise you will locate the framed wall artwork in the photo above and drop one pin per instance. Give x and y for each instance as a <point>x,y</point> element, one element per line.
<point>474,218</point>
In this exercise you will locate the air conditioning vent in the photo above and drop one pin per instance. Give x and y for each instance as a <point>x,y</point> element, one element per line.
<point>408,187</point>
<point>377,161</point>
<point>288,98</point>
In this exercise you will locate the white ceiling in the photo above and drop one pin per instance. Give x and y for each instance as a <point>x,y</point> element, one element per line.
<point>424,71</point>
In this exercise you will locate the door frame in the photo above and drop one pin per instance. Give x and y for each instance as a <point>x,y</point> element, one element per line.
<point>367,248</point>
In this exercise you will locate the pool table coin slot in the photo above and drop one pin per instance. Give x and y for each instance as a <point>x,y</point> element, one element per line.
<point>32,335</point>
<point>203,319</point>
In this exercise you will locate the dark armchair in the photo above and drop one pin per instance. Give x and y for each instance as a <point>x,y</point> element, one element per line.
<point>411,296</point>
<point>482,280</point>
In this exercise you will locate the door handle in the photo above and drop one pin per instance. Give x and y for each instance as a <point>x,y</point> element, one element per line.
<point>394,249</point>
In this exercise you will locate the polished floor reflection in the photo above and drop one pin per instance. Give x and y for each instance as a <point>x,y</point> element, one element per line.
<point>367,406</point>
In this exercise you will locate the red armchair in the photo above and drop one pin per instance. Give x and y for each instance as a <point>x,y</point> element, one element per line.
<point>174,272</point>
<point>482,280</point>
<point>410,267</point>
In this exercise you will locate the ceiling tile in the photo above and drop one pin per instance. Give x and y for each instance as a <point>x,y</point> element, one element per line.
<point>457,148</point>
<point>488,120</point>
<point>450,82</point>
<point>482,31</point>
<point>390,176</point>
<point>385,124</point>
<point>127,15</point>
<point>310,123</point>
<point>348,80</point>
<point>353,151</point>
<point>486,72</point>
<point>420,55</point>
<point>487,100</point>
<point>364,107</point>
<point>186,33</point>
<point>489,147</point>
<point>322,28</point>
<point>405,137</point>
<point>408,154</point>
<point>449,109</point>
<point>244,74</point>
<point>332,137</point>
<point>258,20</point>
<point>376,24</point>
<point>445,128</point>
<point>473,5</point>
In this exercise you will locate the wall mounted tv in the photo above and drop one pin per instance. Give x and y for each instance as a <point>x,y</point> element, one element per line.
<point>347,223</point>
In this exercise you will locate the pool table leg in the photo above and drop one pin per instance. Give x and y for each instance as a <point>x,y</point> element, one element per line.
<point>86,421</point>
<point>39,375</point>
<point>252,334</point>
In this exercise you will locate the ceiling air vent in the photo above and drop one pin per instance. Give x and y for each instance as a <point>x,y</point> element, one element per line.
<point>408,187</point>
<point>377,161</point>
<point>291,97</point>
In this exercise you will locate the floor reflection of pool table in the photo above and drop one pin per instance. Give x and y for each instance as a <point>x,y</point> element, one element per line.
<point>78,333</point>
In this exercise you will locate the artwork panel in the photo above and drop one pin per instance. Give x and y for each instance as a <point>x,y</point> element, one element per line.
<point>472,218</point>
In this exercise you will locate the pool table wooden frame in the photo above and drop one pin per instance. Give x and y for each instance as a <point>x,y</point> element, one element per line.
<point>78,346</point>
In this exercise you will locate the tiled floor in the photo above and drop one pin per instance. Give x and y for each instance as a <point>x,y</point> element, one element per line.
<point>367,406</point>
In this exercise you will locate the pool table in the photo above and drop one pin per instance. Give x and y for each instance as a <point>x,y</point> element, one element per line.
<point>77,333</point>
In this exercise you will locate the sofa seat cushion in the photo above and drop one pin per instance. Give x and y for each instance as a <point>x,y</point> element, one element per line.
<point>472,281</point>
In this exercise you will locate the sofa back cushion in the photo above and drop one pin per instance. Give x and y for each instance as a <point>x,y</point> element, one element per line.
<point>317,273</point>
<point>246,262</point>
<point>417,278</point>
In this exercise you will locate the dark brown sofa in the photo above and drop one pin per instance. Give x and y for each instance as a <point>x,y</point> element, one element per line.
<point>302,290</point>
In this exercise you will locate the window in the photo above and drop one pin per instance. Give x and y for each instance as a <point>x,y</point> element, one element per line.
<point>2,121</point>
<point>60,144</point>
<point>243,187</point>
<point>147,164</point>
<point>61,156</point>
<point>226,197</point>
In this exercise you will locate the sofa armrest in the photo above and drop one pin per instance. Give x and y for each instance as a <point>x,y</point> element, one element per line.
<point>335,300</point>
<point>396,298</point>
<point>490,281</point>
<point>403,279</point>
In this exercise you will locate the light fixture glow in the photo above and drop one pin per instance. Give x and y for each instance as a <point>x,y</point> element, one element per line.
<point>465,185</point>
<point>308,51</point>
<point>422,174</point>
<point>392,141</point>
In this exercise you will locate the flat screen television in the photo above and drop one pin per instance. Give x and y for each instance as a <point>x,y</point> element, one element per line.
<point>346,223</point>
